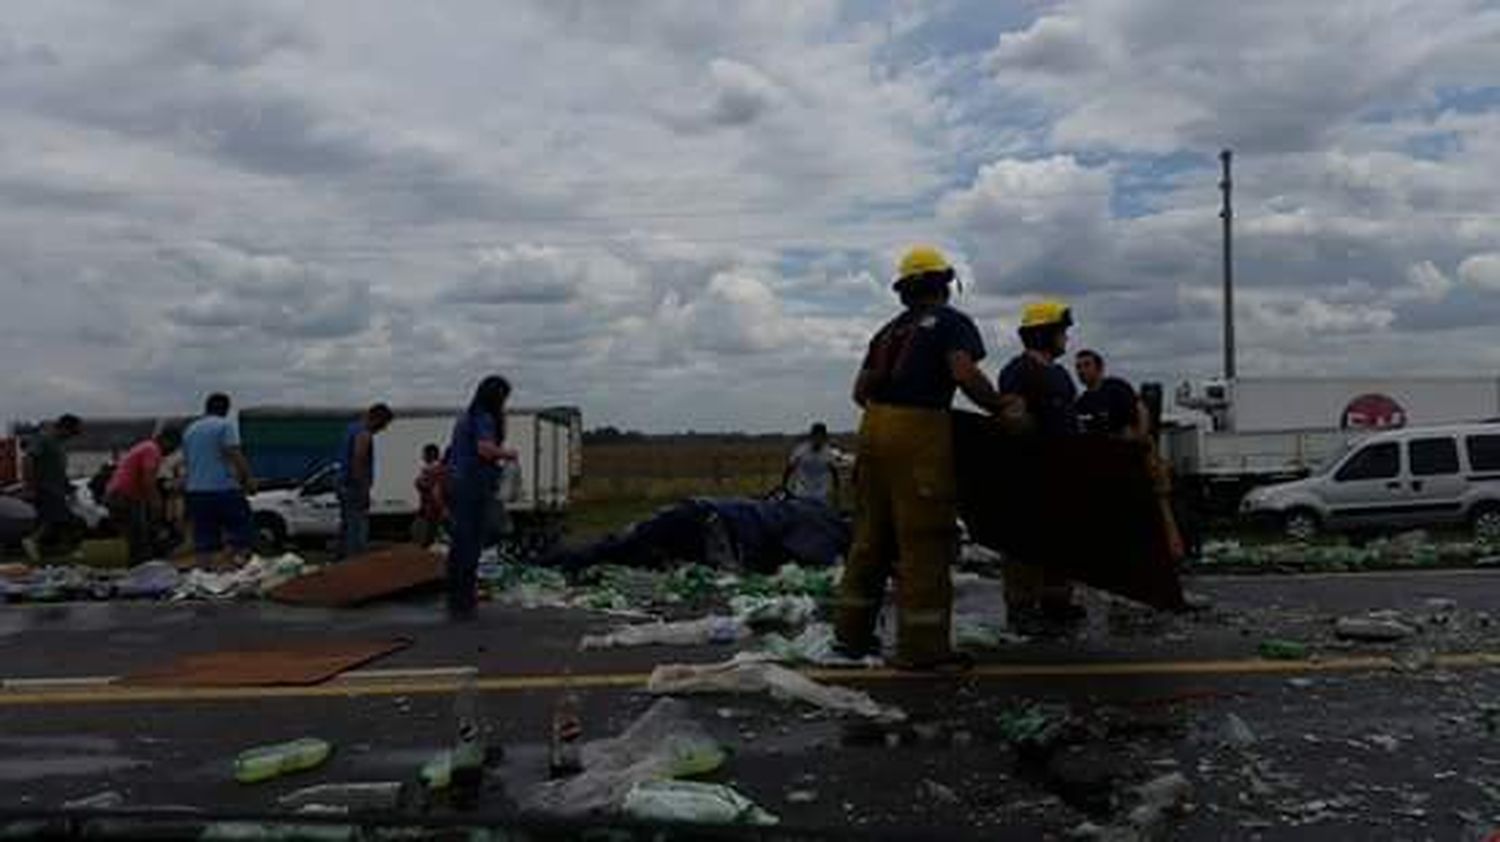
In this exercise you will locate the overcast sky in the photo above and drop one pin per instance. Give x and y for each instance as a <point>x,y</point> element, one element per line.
<point>686,214</point>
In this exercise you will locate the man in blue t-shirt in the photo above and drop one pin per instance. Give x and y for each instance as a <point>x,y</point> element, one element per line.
<point>218,482</point>
<point>357,477</point>
<point>1039,599</point>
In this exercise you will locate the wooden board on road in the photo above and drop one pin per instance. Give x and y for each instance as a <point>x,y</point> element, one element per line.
<point>374,575</point>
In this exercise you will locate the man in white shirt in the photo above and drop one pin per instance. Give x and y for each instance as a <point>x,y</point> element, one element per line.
<point>812,471</point>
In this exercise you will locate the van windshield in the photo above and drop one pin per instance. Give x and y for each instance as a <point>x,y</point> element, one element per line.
<point>1332,460</point>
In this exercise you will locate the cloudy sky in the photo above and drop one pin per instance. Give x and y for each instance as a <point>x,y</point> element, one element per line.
<point>684,214</point>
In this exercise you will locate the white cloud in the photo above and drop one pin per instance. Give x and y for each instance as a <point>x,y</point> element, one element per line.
<point>1481,271</point>
<point>686,214</point>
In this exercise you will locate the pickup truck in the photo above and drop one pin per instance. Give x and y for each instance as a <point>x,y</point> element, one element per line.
<point>309,511</point>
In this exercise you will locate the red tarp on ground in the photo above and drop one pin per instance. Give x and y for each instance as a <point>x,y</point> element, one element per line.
<point>298,665</point>
<point>1084,504</point>
<point>364,578</point>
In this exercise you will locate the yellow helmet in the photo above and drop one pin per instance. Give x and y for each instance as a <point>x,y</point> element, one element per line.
<point>1045,313</point>
<point>920,260</point>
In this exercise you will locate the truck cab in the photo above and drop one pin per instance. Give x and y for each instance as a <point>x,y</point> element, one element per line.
<point>310,509</point>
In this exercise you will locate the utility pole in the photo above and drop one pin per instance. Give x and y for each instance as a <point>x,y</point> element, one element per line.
<point>1227,214</point>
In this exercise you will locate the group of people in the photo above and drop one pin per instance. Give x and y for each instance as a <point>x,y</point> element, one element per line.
<point>215,480</point>
<point>905,487</point>
<point>458,487</point>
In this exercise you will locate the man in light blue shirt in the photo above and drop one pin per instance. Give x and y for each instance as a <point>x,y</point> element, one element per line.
<point>218,480</point>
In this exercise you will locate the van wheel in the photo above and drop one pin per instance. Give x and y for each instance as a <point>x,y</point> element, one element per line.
<point>270,534</point>
<point>1301,525</point>
<point>1487,525</point>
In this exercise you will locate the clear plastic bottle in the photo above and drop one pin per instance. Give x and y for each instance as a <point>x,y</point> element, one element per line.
<point>467,764</point>
<point>567,734</point>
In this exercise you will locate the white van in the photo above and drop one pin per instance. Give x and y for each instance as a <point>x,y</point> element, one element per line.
<point>1419,476</point>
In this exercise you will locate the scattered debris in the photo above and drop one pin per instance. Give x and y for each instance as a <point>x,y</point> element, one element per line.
<point>151,580</point>
<point>1279,649</point>
<point>266,762</point>
<point>1385,742</point>
<point>106,800</point>
<point>1159,798</point>
<point>749,673</point>
<point>275,832</point>
<point>380,796</point>
<point>437,773</point>
<point>665,742</point>
<point>1235,733</point>
<point>1415,659</point>
<point>1086,831</point>
<point>815,645</point>
<point>764,613</point>
<point>1406,550</point>
<point>934,791</point>
<point>1440,604</point>
<point>1036,726</point>
<point>1196,601</point>
<point>972,631</point>
<point>691,801</point>
<point>801,796</point>
<point>1372,629</point>
<point>712,630</point>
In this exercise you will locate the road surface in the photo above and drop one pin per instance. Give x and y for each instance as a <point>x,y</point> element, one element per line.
<point>1367,740</point>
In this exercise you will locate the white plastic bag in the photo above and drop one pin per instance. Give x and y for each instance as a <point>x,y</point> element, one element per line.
<point>690,801</point>
<point>701,632</point>
<point>751,673</point>
<point>663,743</point>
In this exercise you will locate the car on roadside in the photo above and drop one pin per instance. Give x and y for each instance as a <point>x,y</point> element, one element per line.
<point>309,510</point>
<point>1399,479</point>
<point>91,512</point>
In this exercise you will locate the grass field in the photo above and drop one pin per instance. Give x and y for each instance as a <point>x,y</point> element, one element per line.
<point>626,481</point>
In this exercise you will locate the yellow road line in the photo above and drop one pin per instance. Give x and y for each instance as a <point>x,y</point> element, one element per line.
<point>118,694</point>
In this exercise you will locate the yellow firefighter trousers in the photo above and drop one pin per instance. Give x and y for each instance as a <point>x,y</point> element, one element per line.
<point>905,525</point>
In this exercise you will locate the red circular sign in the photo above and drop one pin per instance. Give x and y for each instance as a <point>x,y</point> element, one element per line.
<point>1373,412</point>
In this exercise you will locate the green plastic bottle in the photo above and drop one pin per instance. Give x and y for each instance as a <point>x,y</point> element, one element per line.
<point>266,762</point>
<point>1284,650</point>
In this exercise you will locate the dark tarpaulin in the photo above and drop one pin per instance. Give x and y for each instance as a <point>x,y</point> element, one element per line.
<point>1084,504</point>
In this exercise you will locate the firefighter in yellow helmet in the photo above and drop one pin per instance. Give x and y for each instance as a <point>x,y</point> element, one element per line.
<point>1039,599</point>
<point>906,507</point>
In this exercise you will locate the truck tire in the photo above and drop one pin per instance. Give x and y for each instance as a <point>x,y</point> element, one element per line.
<point>1300,525</point>
<point>270,534</point>
<point>1486,523</point>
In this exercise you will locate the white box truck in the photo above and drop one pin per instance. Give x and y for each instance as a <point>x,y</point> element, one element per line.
<point>536,490</point>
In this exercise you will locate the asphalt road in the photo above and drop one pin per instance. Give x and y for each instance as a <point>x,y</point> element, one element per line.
<point>1344,746</point>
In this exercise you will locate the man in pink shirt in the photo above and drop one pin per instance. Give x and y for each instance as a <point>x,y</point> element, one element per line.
<point>134,494</point>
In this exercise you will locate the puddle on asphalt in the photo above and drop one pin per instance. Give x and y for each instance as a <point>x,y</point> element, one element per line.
<point>17,769</point>
<point>80,744</point>
<point>25,758</point>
